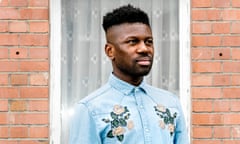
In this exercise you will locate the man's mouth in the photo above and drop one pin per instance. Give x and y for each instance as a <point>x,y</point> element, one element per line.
<point>144,61</point>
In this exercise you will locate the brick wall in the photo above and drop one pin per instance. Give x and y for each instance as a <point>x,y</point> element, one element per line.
<point>24,72</point>
<point>215,71</point>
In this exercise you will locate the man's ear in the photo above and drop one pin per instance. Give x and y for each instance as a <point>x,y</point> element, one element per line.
<point>109,50</point>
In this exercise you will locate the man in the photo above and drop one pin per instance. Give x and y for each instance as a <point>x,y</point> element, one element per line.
<point>127,110</point>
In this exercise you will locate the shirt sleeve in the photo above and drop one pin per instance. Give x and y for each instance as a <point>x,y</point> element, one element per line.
<point>82,127</point>
<point>181,135</point>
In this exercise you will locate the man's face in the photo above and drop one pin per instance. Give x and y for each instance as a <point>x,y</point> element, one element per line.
<point>132,49</point>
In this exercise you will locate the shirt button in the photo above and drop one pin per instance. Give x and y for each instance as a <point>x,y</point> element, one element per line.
<point>146,129</point>
<point>141,106</point>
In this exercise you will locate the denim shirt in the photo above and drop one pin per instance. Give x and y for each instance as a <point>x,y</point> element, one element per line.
<point>120,113</point>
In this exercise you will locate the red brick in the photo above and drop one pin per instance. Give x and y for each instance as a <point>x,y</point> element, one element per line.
<point>221,80</point>
<point>38,53</point>
<point>221,106</point>
<point>201,28</point>
<point>235,3</point>
<point>206,93</point>
<point>3,118</point>
<point>202,132</point>
<point>18,3</point>
<point>199,15</point>
<point>231,93</point>
<point>29,118</point>
<point>206,67</point>
<point>221,3</point>
<point>221,28</point>
<point>222,53</point>
<point>231,66</point>
<point>222,132</point>
<point>34,14</point>
<point>202,106</point>
<point>231,15</point>
<point>9,92</point>
<point>8,141</point>
<point>236,132</point>
<point>34,92</point>
<point>38,105</point>
<point>8,39</point>
<point>226,141</point>
<point>235,105</point>
<point>231,41</point>
<point>207,141</point>
<point>235,27</point>
<point>207,119</point>
<point>236,53</point>
<point>39,26</point>
<point>19,79</point>
<point>201,80</point>
<point>4,3</point>
<point>201,3</point>
<point>18,26</point>
<point>18,105</point>
<point>30,66</point>
<point>38,3</point>
<point>214,40</point>
<point>199,41</point>
<point>8,66</point>
<point>231,119</point>
<point>38,132</point>
<point>202,53</point>
<point>18,53</point>
<point>235,79</point>
<point>39,79</point>
<point>9,13</point>
<point>206,14</point>
<point>3,132</point>
<point>34,40</point>
<point>3,53</point>
<point>33,142</point>
<point>3,79</point>
<point>18,132</point>
<point>3,105</point>
<point>3,26</point>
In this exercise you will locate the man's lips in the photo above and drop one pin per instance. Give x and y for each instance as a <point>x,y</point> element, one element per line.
<point>145,61</point>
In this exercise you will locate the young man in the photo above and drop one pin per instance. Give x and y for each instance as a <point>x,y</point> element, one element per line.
<point>127,110</point>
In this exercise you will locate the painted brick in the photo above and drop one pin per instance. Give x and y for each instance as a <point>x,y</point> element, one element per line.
<point>31,66</point>
<point>18,26</point>
<point>202,132</point>
<point>34,92</point>
<point>33,14</point>
<point>19,79</point>
<point>18,105</point>
<point>39,79</point>
<point>18,132</point>
<point>34,40</point>
<point>3,53</point>
<point>39,26</point>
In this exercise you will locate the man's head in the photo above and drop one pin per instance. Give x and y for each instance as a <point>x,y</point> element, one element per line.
<point>129,43</point>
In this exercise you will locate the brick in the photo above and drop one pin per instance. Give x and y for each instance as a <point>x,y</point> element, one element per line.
<point>203,28</point>
<point>235,80</point>
<point>221,3</point>
<point>221,132</point>
<point>18,53</point>
<point>221,28</point>
<point>38,3</point>
<point>231,40</point>
<point>18,132</point>
<point>207,119</point>
<point>236,53</point>
<point>19,79</point>
<point>33,14</point>
<point>201,3</point>
<point>3,53</point>
<point>222,53</point>
<point>206,14</point>
<point>8,39</point>
<point>4,3</point>
<point>231,67</point>
<point>8,66</point>
<point>3,132</point>
<point>31,66</point>
<point>221,106</point>
<point>33,142</point>
<point>214,40</point>
<point>236,132</point>
<point>235,3</point>
<point>38,105</point>
<point>3,26</point>
<point>231,93</point>
<point>235,105</point>
<point>39,79</point>
<point>18,26</point>
<point>3,118</point>
<point>38,132</point>
<point>201,80</point>
<point>206,67</point>
<point>7,141</point>
<point>28,118</point>
<point>199,41</point>
<point>38,53</point>
<point>202,132</point>
<point>198,14</point>
<point>231,15</point>
<point>3,105</point>
<point>235,27</point>
<point>3,79</point>
<point>34,92</point>
<point>207,141</point>
<point>18,3</point>
<point>9,92</point>
<point>206,93</point>
<point>226,141</point>
<point>18,105</point>
<point>221,80</point>
<point>202,106</point>
<point>39,27</point>
<point>231,119</point>
<point>9,13</point>
<point>34,40</point>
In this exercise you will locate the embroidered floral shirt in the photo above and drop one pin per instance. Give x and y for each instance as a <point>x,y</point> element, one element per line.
<point>120,113</point>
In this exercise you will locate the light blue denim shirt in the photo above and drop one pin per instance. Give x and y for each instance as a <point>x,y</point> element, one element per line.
<point>120,113</point>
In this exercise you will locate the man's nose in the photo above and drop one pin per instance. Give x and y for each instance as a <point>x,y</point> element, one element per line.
<point>142,47</point>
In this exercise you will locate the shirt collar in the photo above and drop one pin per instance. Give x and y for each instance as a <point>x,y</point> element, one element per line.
<point>125,87</point>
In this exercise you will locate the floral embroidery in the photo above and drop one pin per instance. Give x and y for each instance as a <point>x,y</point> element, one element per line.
<point>119,121</point>
<point>166,118</point>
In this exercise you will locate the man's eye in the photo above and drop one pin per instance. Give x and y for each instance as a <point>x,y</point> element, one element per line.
<point>149,42</point>
<point>132,41</point>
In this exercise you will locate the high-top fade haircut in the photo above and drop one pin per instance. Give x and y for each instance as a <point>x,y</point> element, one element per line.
<point>124,14</point>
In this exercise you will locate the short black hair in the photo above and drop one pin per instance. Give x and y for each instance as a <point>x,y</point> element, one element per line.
<point>124,14</point>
